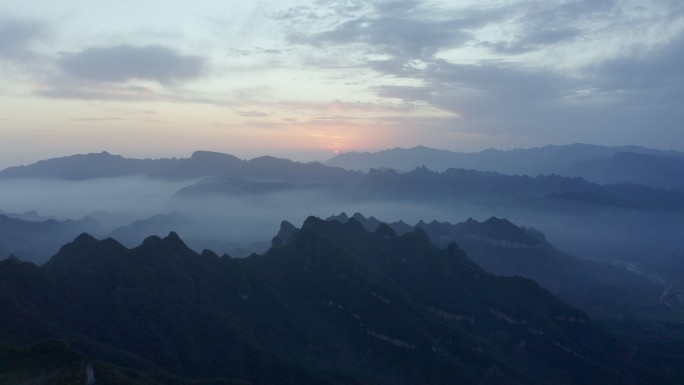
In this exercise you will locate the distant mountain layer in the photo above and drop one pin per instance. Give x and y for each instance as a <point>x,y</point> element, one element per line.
<point>454,185</point>
<point>650,170</point>
<point>37,240</point>
<point>599,164</point>
<point>195,234</point>
<point>607,222</point>
<point>201,164</point>
<point>331,304</point>
<point>491,187</point>
<point>655,168</point>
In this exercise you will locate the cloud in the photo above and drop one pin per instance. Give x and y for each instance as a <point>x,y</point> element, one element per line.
<point>234,52</point>
<point>125,62</point>
<point>95,119</point>
<point>15,38</point>
<point>661,68</point>
<point>69,88</point>
<point>340,106</point>
<point>122,72</point>
<point>538,25</point>
<point>573,70</point>
<point>415,38</point>
<point>405,29</point>
<point>532,40</point>
<point>253,114</point>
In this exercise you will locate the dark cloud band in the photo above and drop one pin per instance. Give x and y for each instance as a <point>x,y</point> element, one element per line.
<point>16,36</point>
<point>125,62</point>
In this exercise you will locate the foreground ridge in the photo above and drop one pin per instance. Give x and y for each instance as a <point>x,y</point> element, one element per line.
<point>333,303</point>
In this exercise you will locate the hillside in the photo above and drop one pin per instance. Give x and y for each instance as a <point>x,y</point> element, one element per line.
<point>333,303</point>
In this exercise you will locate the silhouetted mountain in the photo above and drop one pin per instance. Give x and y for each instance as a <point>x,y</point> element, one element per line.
<point>651,170</point>
<point>285,234</point>
<point>198,235</point>
<point>491,187</point>
<point>82,252</point>
<point>86,166</point>
<point>472,186</point>
<point>201,164</point>
<point>333,305</point>
<point>533,161</point>
<point>270,168</point>
<point>160,224</point>
<point>502,248</point>
<point>30,215</point>
<point>37,241</point>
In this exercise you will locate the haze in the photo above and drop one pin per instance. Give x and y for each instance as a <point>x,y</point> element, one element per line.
<point>348,191</point>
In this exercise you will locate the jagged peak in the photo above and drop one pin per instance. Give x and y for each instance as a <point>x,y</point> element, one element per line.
<point>311,221</point>
<point>152,240</point>
<point>421,233</point>
<point>382,171</point>
<point>422,170</point>
<point>206,253</point>
<point>354,223</point>
<point>171,241</point>
<point>285,225</point>
<point>84,238</point>
<point>285,234</point>
<point>342,217</point>
<point>82,251</point>
<point>497,220</point>
<point>385,231</point>
<point>174,240</point>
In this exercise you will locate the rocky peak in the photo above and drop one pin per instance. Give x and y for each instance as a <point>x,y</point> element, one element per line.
<point>285,234</point>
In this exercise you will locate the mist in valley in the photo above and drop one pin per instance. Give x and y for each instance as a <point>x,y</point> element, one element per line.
<point>613,261</point>
<point>138,207</point>
<point>132,208</point>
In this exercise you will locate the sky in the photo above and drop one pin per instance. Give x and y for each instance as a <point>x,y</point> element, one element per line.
<point>308,79</point>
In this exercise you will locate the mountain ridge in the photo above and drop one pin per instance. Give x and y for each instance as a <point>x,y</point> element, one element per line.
<point>334,304</point>
<point>502,248</point>
<point>578,159</point>
<point>200,164</point>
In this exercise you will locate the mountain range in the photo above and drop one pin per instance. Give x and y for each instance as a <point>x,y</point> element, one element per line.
<point>201,164</point>
<point>330,303</point>
<point>230,175</point>
<point>34,240</point>
<point>347,300</point>
<point>502,248</point>
<point>600,164</point>
<point>620,221</point>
